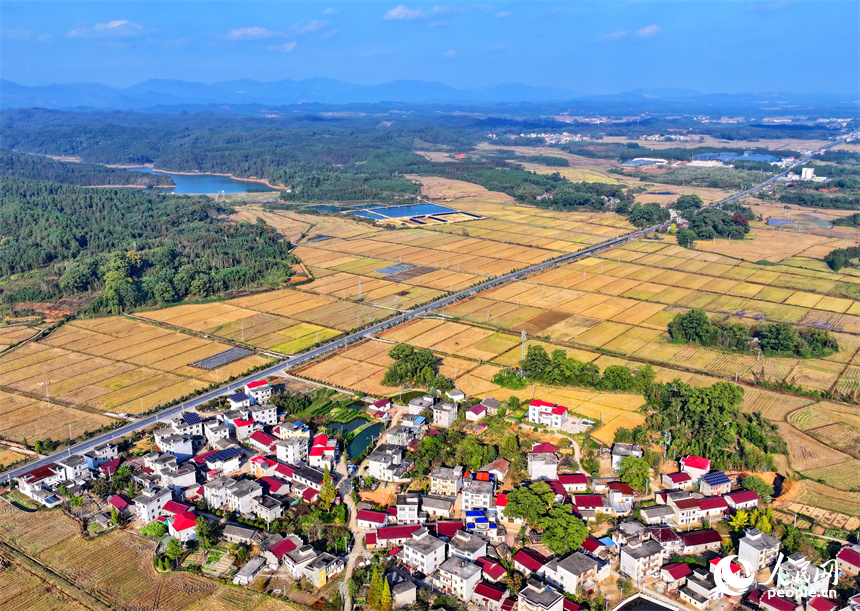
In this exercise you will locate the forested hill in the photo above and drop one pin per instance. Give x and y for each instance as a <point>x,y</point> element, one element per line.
<point>37,167</point>
<point>126,247</point>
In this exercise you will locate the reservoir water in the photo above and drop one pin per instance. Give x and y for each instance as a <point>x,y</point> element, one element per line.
<point>207,183</point>
<point>363,440</point>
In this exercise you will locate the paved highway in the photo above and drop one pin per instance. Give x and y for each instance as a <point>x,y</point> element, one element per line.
<point>336,344</point>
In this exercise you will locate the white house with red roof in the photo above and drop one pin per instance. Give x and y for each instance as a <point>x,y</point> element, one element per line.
<point>492,569</point>
<point>382,405</point>
<point>819,603</point>
<point>241,428</point>
<point>675,575</point>
<point>367,519</point>
<point>713,507</point>
<point>551,415</point>
<point>476,412</point>
<point>390,536</point>
<point>36,483</point>
<point>742,499</point>
<point>489,596</point>
<point>573,482</point>
<point>277,553</point>
<point>260,391</point>
<point>263,442</point>
<point>121,503</point>
<point>172,508</point>
<point>680,481</point>
<point>771,601</point>
<point>182,526</point>
<point>695,466</point>
<point>848,560</point>
<point>323,452</point>
<point>700,541</point>
<point>528,561</point>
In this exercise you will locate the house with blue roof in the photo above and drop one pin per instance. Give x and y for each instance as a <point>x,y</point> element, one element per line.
<point>239,400</point>
<point>716,483</point>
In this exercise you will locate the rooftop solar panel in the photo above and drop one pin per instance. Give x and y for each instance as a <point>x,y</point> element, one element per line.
<point>191,418</point>
<point>222,455</point>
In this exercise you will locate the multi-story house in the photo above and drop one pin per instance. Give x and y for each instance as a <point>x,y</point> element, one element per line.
<point>695,466</point>
<point>262,442</point>
<point>457,577</point>
<point>799,575</point>
<point>101,454</point>
<point>419,404</point>
<point>715,483</point>
<point>36,483</point>
<point>623,450</point>
<point>848,560</point>
<point>574,571</point>
<point>423,552</point>
<point>259,391</point>
<point>240,495</point>
<point>700,541</point>
<point>758,548</point>
<point>489,596</point>
<point>538,597</point>
<point>686,510</point>
<point>408,508</point>
<point>215,491</point>
<point>188,424</point>
<point>477,494</point>
<point>292,450</point>
<point>323,568</point>
<point>239,400</point>
<point>214,430</point>
<point>149,503</point>
<point>551,415</point>
<point>467,546</point>
<point>264,413</point>
<point>289,430</point>
<point>384,462</point>
<point>178,445</point>
<point>657,514</point>
<point>445,481</point>
<point>543,465</point>
<point>266,508</point>
<point>323,452</point>
<point>444,414</point>
<point>436,507</point>
<point>74,467</point>
<point>701,588</point>
<point>639,559</point>
<point>400,435</point>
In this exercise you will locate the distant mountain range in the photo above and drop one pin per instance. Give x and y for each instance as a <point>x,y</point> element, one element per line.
<point>163,93</point>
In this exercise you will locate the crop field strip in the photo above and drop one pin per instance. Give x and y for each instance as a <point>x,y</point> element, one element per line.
<point>88,367</point>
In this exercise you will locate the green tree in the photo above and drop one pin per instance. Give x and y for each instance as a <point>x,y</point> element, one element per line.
<point>374,592</point>
<point>154,529</point>
<point>617,377</point>
<point>562,531</point>
<point>204,532</point>
<point>352,587</point>
<point>530,502</point>
<point>174,550</point>
<point>328,492</point>
<point>636,472</point>
<point>385,597</point>
<point>759,486</point>
<point>114,516</point>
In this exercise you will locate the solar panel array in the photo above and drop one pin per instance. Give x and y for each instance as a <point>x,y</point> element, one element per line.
<point>222,455</point>
<point>191,418</point>
<point>221,359</point>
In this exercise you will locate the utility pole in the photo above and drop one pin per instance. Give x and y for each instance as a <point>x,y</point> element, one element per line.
<point>523,336</point>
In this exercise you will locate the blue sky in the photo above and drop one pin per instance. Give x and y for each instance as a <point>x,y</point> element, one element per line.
<point>586,47</point>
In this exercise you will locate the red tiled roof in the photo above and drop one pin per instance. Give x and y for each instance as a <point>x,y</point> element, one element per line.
<point>588,501</point>
<point>850,556</point>
<point>282,548</point>
<point>621,487</point>
<point>366,515</point>
<point>544,448</point>
<point>263,439</point>
<point>569,605</point>
<point>240,422</point>
<point>677,570</point>
<point>120,501</point>
<point>491,568</point>
<point>448,528</point>
<point>381,403</point>
<point>679,478</point>
<point>735,568</point>
<point>741,496</point>
<point>284,470</point>
<point>559,410</point>
<point>257,384</point>
<point>489,592</point>
<point>501,500</point>
<point>703,537</point>
<point>574,479</point>
<point>392,511</point>
<point>320,440</point>
<point>770,599</point>
<point>110,467</point>
<point>201,458</point>
<point>396,532</point>
<point>310,494</point>
<point>530,559</point>
<point>696,462</point>
<point>713,502</point>
<point>687,504</point>
<point>664,534</point>
<point>557,488</point>
<point>370,539</point>
<point>184,521</point>
<point>272,483</point>
<point>539,403</point>
<point>591,544</point>
<point>819,603</point>
<point>175,508</point>
<point>477,410</point>
<point>508,604</point>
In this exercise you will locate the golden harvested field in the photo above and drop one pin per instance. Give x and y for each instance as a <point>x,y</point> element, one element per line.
<point>117,567</point>
<point>781,144</point>
<point>89,367</point>
<point>776,244</point>
<point>13,335</point>
<point>21,590</point>
<point>9,456</point>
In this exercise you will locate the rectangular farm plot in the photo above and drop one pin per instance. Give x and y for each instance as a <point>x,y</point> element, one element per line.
<point>602,334</point>
<point>24,417</point>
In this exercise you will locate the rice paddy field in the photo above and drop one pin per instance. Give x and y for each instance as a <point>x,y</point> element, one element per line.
<point>87,368</point>
<point>115,567</point>
<point>9,335</point>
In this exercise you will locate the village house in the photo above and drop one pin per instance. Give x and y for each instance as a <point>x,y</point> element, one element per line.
<point>389,536</point>
<point>298,559</point>
<point>623,450</point>
<point>478,494</point>
<point>188,424</point>
<point>700,541</point>
<point>407,506</point>
<point>292,430</point>
<point>75,468</point>
<point>456,395</point>
<point>551,415</point>
<point>529,562</point>
<point>657,514</point>
<point>686,510</point>
<point>848,560</point>
<point>457,577</point>
<point>572,572</point>
<point>715,483</point>
<point>367,519</point>
<point>240,494</point>
<point>214,430</point>
<point>677,481</point>
<point>240,534</point>
<point>276,554</point>
<point>467,546</point>
<point>435,507</point>
<point>492,406</point>
<point>239,400</point>
<point>101,454</point>
<point>323,568</point>
<point>742,499</point>
<point>700,589</point>
<point>419,404</point>
<point>489,596</point>
<point>384,463</point>
<point>492,569</point>
<point>180,446</point>
<point>668,540</point>
<point>262,442</point>
<point>149,503</point>
<point>498,469</point>
<point>675,575</point>
<point>183,527</point>
<point>444,414</point>
<point>266,508</point>
<point>259,391</point>
<point>423,552</point>
<point>292,450</point>
<point>542,465</point>
<point>445,481</point>
<point>802,577</point>
<point>695,466</point>
<point>323,452</point>
<point>246,574</point>
<point>713,508</point>
<point>573,482</point>
<point>265,414</point>
<point>121,503</point>
<point>639,559</point>
<point>538,597</point>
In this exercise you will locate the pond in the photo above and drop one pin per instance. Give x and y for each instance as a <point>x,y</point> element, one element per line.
<point>207,183</point>
<point>364,440</point>
<point>345,428</point>
<point>393,212</point>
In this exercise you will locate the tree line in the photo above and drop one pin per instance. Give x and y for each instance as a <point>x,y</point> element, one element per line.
<point>37,167</point>
<point>774,339</point>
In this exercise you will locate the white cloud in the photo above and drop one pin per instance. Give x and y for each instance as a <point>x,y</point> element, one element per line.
<point>503,14</point>
<point>313,26</point>
<point>403,12</point>
<point>649,31</point>
<point>251,33</point>
<point>287,47</point>
<point>330,11</point>
<point>451,53</point>
<point>117,28</point>
<point>46,37</point>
